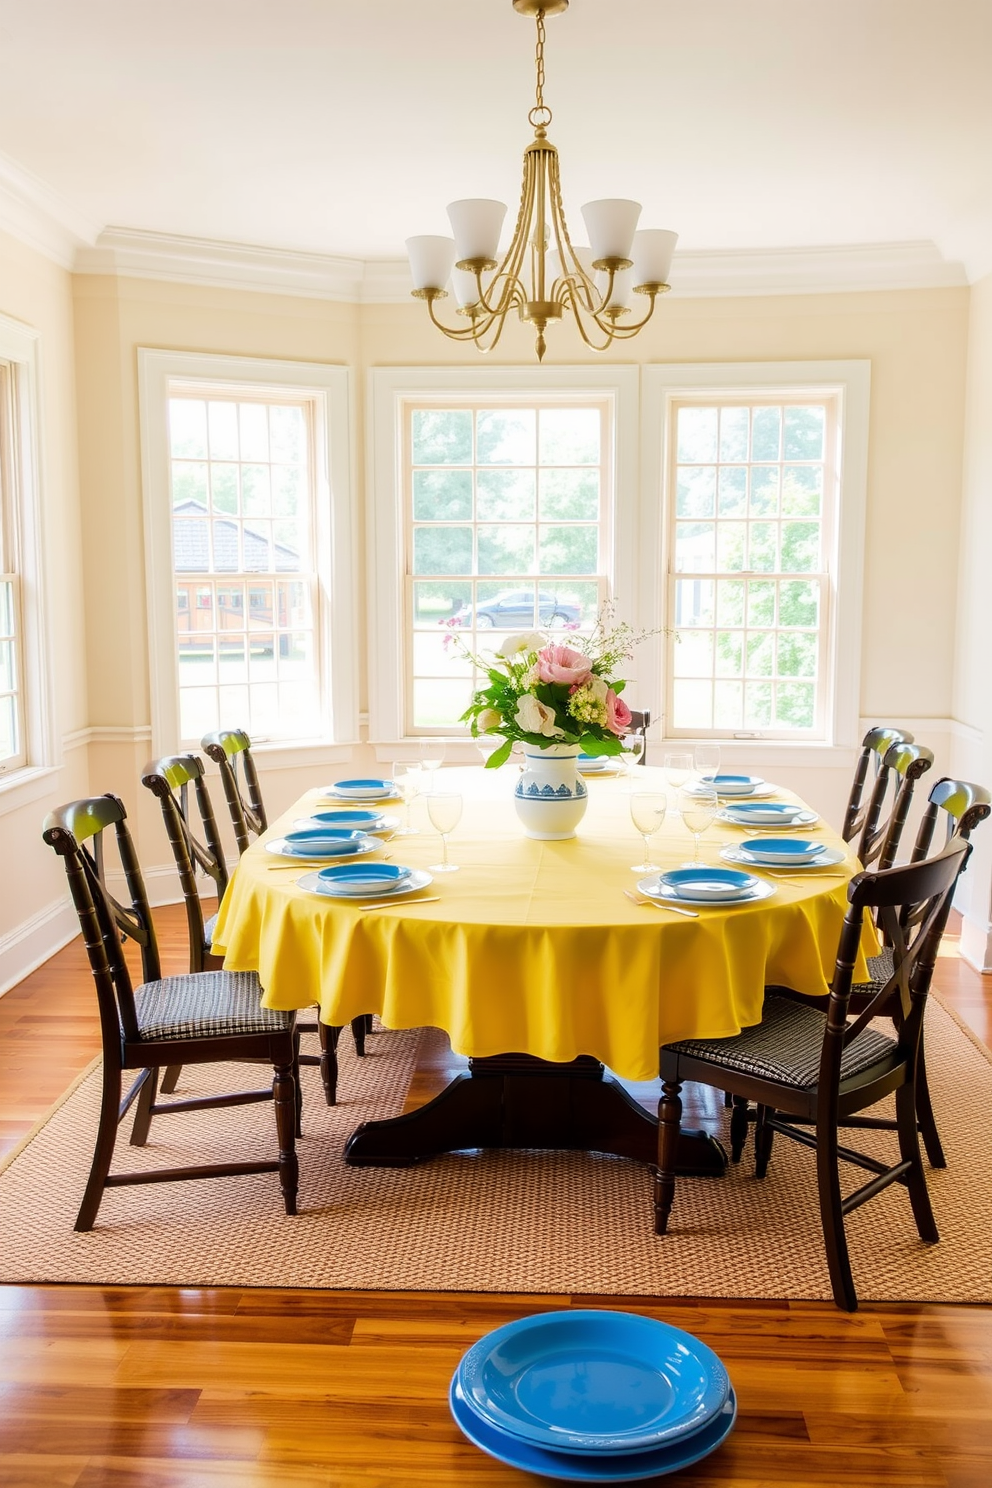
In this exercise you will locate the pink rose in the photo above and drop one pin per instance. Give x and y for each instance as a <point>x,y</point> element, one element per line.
<point>617,714</point>
<point>562,664</point>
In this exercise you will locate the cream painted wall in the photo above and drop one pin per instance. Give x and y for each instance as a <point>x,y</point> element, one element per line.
<point>38,293</point>
<point>973,658</point>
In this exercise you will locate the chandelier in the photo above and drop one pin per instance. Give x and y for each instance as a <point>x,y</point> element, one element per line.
<point>542,274</point>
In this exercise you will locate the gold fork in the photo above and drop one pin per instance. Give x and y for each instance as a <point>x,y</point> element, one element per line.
<point>690,914</point>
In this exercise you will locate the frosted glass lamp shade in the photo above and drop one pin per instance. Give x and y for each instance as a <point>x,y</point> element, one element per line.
<point>611,225</point>
<point>582,253</point>
<point>652,255</point>
<point>465,286</point>
<point>476,224</point>
<point>431,259</point>
<point>623,288</point>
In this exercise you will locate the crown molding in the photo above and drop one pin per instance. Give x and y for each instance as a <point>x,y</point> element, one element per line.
<point>721,272</point>
<point>38,216</point>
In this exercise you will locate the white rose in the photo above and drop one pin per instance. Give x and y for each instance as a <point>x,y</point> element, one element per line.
<point>528,640</point>
<point>535,717</point>
<point>488,719</point>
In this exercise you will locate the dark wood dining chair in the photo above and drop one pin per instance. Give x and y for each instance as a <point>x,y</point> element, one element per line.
<point>171,781</point>
<point>807,1068</point>
<point>198,1018</point>
<point>230,750</point>
<point>874,746</point>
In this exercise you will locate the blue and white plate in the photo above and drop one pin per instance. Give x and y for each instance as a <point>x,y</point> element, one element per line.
<point>655,889</point>
<point>827,857</point>
<point>591,764</point>
<point>362,821</point>
<point>372,789</point>
<point>320,844</point>
<point>734,787</point>
<point>773,815</point>
<point>707,884</point>
<point>593,1382</point>
<point>328,884</point>
<point>591,1467</point>
<point>779,851</point>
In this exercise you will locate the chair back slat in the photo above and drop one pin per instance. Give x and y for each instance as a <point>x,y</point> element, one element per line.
<point>902,766</point>
<point>226,748</point>
<point>874,747</point>
<point>105,922</point>
<point>169,780</point>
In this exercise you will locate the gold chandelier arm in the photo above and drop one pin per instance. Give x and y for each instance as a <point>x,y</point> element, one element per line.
<point>624,330</point>
<point>458,333</point>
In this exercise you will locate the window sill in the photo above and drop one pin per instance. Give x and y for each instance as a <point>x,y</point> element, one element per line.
<point>770,753</point>
<point>23,787</point>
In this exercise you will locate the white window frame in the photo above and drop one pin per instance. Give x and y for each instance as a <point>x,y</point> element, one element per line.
<point>328,389</point>
<point>850,382</point>
<point>24,779</point>
<point>389,391</point>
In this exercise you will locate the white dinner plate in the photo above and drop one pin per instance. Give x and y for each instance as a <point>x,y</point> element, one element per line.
<point>384,824</point>
<point>760,793</point>
<point>419,879</point>
<point>279,848</point>
<point>804,819</point>
<point>827,859</point>
<point>649,887</point>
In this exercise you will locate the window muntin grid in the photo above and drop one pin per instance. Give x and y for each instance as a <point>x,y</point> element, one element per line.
<point>245,581</point>
<point>751,529</point>
<point>507,520</point>
<point>12,742</point>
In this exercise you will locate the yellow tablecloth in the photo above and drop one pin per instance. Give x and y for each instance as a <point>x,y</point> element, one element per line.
<point>532,946</point>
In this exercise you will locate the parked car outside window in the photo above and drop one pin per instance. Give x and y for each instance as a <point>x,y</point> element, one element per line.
<point>514,609</point>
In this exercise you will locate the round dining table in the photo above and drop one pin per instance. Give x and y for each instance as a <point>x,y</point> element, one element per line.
<point>536,961</point>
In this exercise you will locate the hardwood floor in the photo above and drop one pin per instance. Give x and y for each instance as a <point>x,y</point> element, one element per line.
<point>222,1388</point>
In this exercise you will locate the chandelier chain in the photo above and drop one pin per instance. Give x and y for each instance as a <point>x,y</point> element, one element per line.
<point>540,115</point>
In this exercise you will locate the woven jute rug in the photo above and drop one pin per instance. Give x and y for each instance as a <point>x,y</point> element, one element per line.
<point>500,1221</point>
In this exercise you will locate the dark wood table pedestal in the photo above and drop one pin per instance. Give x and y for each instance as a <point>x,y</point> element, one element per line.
<point>515,1100</point>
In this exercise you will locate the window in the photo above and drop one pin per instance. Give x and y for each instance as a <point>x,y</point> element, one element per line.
<point>752,528</point>
<point>248,526</point>
<point>507,511</point>
<point>762,469</point>
<point>12,731</point>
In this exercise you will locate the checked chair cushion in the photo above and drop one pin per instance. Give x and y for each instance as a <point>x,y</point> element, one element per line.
<point>205,1004</point>
<point>785,1046</point>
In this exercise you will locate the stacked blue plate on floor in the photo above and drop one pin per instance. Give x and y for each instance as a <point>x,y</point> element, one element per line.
<point>593,1397</point>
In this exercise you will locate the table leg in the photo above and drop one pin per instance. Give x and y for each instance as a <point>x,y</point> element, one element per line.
<point>514,1100</point>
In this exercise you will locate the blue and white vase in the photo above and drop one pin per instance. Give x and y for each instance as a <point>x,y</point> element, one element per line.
<point>550,794</point>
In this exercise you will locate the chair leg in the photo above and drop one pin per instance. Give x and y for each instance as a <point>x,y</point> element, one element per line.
<point>329,1061</point>
<point>669,1126</point>
<point>110,1104</point>
<point>738,1125</point>
<point>832,1217</point>
<point>171,1078</point>
<point>359,1029</point>
<point>143,1110</point>
<point>907,1102</point>
<point>764,1135</point>
<point>284,1099</point>
<point>924,1112</point>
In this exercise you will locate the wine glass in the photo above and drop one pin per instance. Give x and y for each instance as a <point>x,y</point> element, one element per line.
<point>678,768</point>
<point>699,806</point>
<point>487,745</point>
<point>633,751</point>
<point>408,780</point>
<point>431,759</point>
<point>706,758</point>
<point>647,812</point>
<point>445,811</point>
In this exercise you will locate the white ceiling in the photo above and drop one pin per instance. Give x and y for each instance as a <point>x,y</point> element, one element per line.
<point>341,129</point>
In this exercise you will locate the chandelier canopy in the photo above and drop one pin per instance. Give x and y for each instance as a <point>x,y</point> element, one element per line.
<point>542,273</point>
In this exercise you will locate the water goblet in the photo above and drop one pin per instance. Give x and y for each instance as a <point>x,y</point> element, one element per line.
<point>487,745</point>
<point>647,812</point>
<point>431,759</point>
<point>699,806</point>
<point>445,811</point>
<point>678,768</point>
<point>633,752</point>
<point>706,758</point>
<point>408,779</point>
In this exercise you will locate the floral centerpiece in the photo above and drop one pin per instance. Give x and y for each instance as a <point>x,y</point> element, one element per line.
<point>545,693</point>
